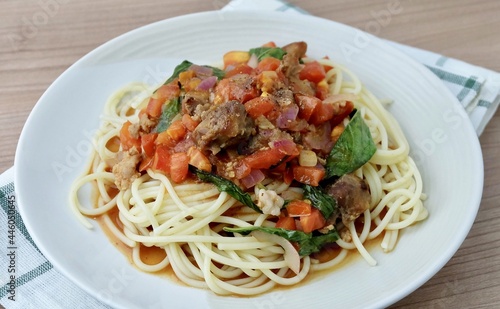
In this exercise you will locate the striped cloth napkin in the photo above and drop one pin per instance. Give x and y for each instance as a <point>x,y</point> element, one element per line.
<point>28,280</point>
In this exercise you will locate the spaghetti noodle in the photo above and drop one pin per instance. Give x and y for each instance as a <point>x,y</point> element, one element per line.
<point>199,226</point>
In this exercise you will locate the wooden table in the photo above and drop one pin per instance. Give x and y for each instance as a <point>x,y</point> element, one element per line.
<point>40,39</point>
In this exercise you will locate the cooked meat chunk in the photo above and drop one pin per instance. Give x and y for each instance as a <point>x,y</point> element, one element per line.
<point>146,123</point>
<point>291,68</point>
<point>352,196</point>
<point>134,130</point>
<point>283,97</point>
<point>125,170</point>
<point>290,65</point>
<point>195,103</point>
<point>263,138</point>
<point>227,124</point>
<point>296,49</point>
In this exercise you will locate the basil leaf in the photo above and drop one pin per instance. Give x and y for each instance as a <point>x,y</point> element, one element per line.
<point>217,72</point>
<point>224,185</point>
<point>354,148</point>
<point>185,65</point>
<point>167,115</point>
<point>308,242</point>
<point>264,52</point>
<point>326,204</point>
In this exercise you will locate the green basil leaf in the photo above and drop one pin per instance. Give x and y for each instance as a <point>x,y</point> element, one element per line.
<point>185,65</point>
<point>354,148</point>
<point>168,113</point>
<point>224,185</point>
<point>217,72</point>
<point>326,204</point>
<point>264,52</point>
<point>308,242</point>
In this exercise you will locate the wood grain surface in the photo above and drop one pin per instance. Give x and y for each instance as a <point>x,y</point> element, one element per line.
<point>40,39</point>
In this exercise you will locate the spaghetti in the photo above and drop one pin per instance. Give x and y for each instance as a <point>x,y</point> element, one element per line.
<point>211,239</point>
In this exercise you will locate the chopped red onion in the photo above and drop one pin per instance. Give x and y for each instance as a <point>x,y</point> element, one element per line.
<point>287,116</point>
<point>285,145</point>
<point>201,70</point>
<point>320,139</point>
<point>183,146</point>
<point>253,178</point>
<point>207,83</point>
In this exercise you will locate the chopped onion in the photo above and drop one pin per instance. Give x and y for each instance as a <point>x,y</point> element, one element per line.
<point>201,70</point>
<point>286,146</point>
<point>253,61</point>
<point>287,116</point>
<point>207,83</point>
<point>298,125</point>
<point>291,256</point>
<point>320,139</point>
<point>184,145</point>
<point>253,178</point>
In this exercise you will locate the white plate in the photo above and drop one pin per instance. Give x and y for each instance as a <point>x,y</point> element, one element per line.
<point>54,146</point>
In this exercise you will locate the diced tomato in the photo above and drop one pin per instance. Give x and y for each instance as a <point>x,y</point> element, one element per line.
<point>189,122</point>
<point>342,113</point>
<point>324,113</point>
<point>127,140</point>
<point>310,175</point>
<point>286,223</point>
<point>308,106</point>
<point>199,160</point>
<point>161,160</point>
<point>154,107</point>
<point>242,170</point>
<point>146,163</point>
<point>235,57</point>
<point>312,222</point>
<point>298,208</point>
<point>148,143</point>
<point>259,106</point>
<point>269,44</point>
<point>280,169</point>
<point>313,71</point>
<point>268,64</point>
<point>322,90</point>
<point>162,95</point>
<point>264,159</point>
<point>168,91</point>
<point>179,167</point>
<point>234,89</point>
<point>242,68</point>
<point>288,176</point>
<point>172,135</point>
